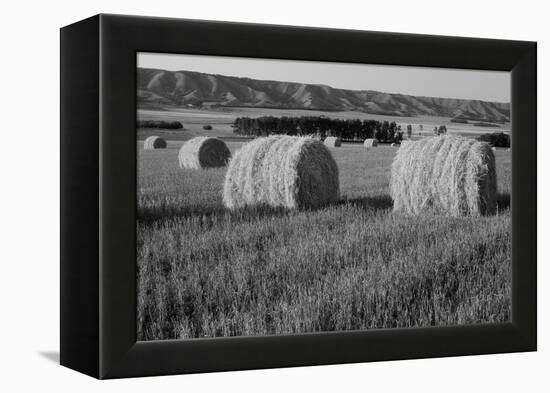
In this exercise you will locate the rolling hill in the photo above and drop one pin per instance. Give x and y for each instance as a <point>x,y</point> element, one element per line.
<point>188,88</point>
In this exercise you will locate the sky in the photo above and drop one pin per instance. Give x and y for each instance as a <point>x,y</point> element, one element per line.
<point>419,81</point>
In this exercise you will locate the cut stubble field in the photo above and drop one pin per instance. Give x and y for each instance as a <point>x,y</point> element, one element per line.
<point>204,271</point>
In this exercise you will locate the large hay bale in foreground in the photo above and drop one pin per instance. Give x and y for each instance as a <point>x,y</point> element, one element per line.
<point>332,141</point>
<point>203,152</point>
<point>446,175</point>
<point>154,142</point>
<point>370,143</point>
<point>281,171</point>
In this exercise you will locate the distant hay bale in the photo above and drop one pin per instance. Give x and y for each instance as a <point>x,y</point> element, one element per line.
<point>281,171</point>
<point>203,152</point>
<point>493,148</point>
<point>370,143</point>
<point>509,149</point>
<point>154,142</point>
<point>393,144</point>
<point>332,141</point>
<point>445,175</point>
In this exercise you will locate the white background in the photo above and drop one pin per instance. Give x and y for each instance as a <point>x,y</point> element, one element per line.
<point>29,197</point>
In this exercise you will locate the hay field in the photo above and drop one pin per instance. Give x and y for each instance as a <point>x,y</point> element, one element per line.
<point>204,271</point>
<point>221,120</point>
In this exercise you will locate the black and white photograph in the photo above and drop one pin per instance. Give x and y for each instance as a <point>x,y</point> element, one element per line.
<point>241,196</point>
<point>282,197</point>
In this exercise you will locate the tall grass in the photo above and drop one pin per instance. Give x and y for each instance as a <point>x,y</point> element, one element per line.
<point>205,271</point>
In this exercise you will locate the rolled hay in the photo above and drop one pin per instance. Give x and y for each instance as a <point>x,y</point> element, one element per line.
<point>393,145</point>
<point>370,143</point>
<point>446,175</point>
<point>332,141</point>
<point>203,152</point>
<point>493,148</point>
<point>282,171</point>
<point>154,142</point>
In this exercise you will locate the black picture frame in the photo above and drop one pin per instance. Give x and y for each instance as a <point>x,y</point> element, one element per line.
<point>98,191</point>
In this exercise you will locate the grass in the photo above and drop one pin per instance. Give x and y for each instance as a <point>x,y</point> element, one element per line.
<point>207,272</point>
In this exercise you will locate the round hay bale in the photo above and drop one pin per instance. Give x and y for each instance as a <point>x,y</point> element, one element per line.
<point>445,175</point>
<point>509,149</point>
<point>370,143</point>
<point>393,145</point>
<point>154,142</point>
<point>493,148</point>
<point>203,152</point>
<point>332,141</point>
<point>281,171</point>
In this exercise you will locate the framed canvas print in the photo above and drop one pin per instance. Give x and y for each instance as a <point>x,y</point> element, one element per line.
<point>240,196</point>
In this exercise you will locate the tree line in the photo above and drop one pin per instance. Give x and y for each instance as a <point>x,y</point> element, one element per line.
<point>496,139</point>
<point>171,125</point>
<point>319,126</point>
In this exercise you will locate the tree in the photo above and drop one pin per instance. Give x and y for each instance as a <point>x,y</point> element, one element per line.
<point>409,131</point>
<point>497,139</point>
<point>391,130</point>
<point>398,137</point>
<point>320,126</point>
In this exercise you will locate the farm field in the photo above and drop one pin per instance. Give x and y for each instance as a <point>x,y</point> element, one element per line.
<point>221,120</point>
<point>204,271</point>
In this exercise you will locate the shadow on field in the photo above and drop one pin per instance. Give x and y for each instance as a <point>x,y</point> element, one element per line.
<point>378,202</point>
<point>384,202</point>
<point>206,213</point>
<point>160,213</point>
<point>210,213</point>
<point>503,201</point>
